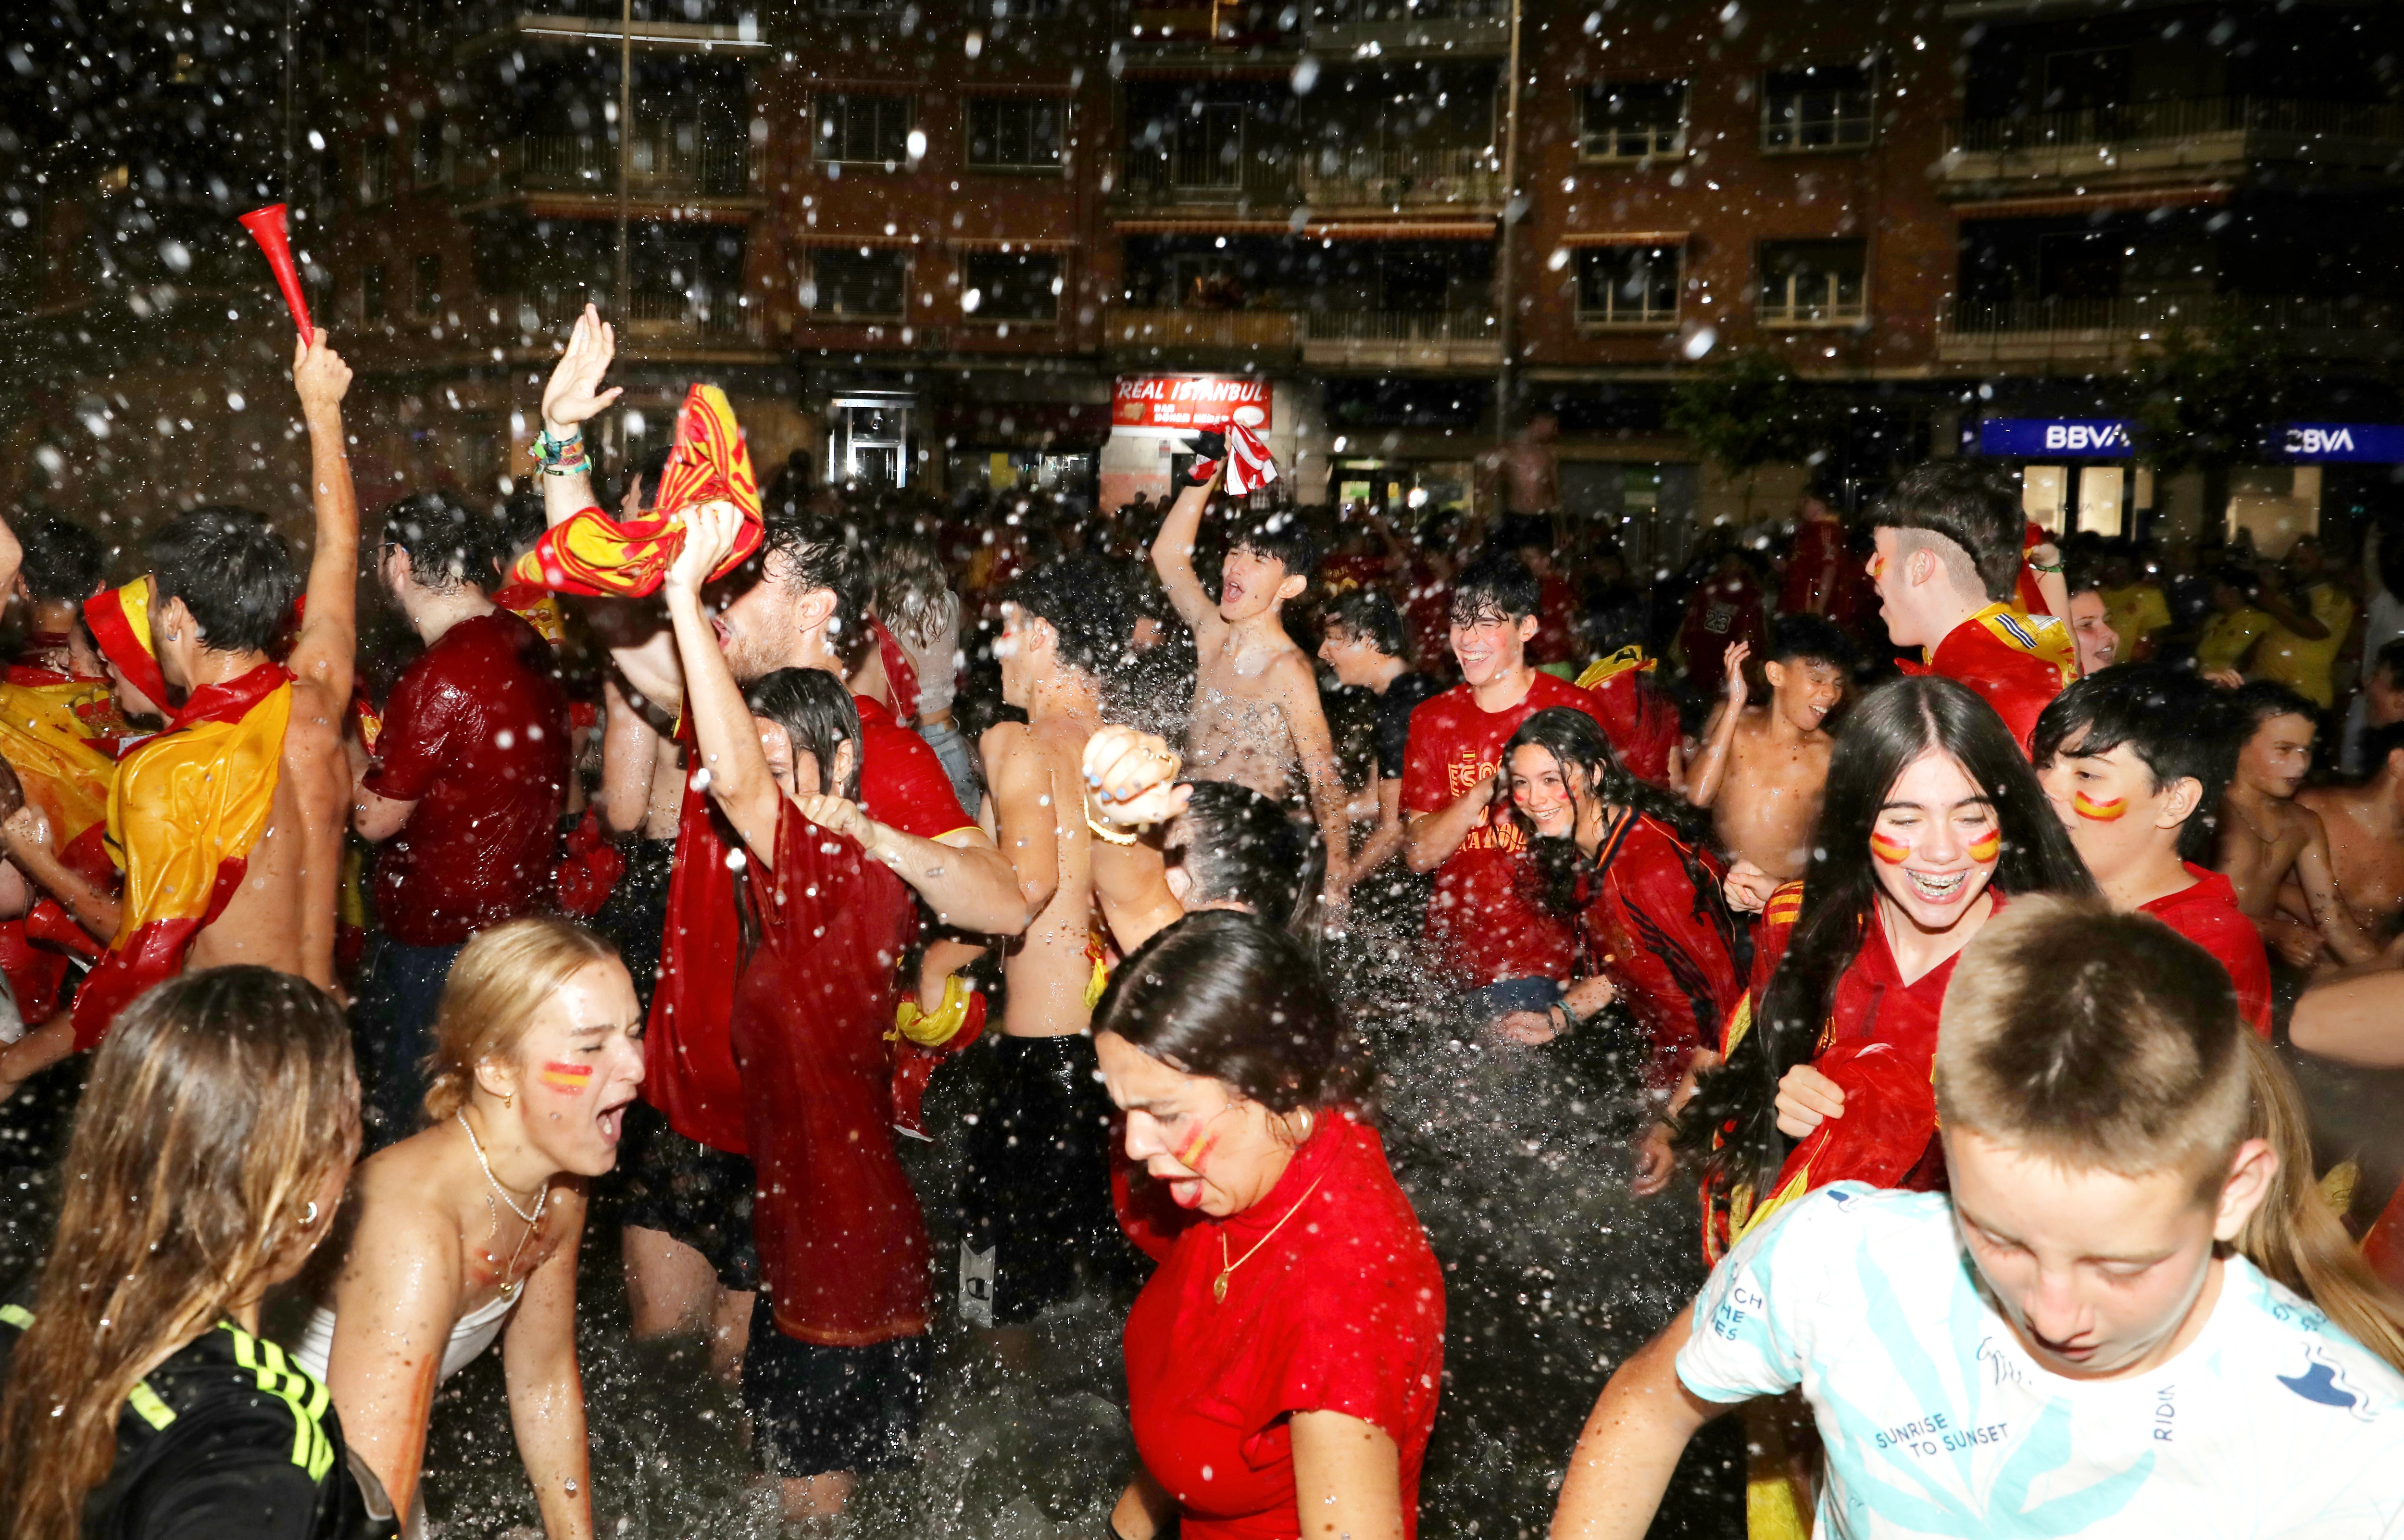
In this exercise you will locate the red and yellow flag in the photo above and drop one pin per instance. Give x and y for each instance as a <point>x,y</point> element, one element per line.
<point>186,811</point>
<point>46,737</point>
<point>594,554</point>
<point>120,619</point>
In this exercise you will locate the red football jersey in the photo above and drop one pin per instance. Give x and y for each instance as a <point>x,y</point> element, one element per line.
<point>2207,915</point>
<point>1656,925</point>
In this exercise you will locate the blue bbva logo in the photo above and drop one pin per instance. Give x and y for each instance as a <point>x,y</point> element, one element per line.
<point>2086,438</point>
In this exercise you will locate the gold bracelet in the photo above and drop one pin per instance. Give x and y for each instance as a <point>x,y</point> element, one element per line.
<point>1111,837</point>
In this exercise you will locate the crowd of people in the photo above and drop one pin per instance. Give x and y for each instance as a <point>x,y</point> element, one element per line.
<point>1952,902</point>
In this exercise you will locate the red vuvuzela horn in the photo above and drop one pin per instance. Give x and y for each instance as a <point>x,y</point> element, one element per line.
<point>266,227</point>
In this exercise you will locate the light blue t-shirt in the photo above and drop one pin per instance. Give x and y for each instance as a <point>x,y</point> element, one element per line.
<point>1938,1422</point>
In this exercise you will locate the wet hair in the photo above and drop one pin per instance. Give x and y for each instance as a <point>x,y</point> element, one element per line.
<point>644,479</point>
<point>1081,600</point>
<point>233,571</point>
<point>448,542</point>
<point>2389,659</point>
<point>1575,740</point>
<point>219,1105</point>
<point>1810,638</point>
<point>1894,725</point>
<point>1369,615</point>
<point>819,716</point>
<point>1973,505</point>
<point>502,978</point>
<point>914,594</point>
<point>802,552</point>
<point>2259,701</point>
<point>64,562</point>
<point>1231,996</point>
<point>1496,583</point>
<point>1238,846</point>
<point>2171,720</point>
<point>1279,532</point>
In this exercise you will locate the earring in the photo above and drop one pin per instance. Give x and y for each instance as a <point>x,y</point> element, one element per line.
<point>508,1099</point>
<point>311,1217</point>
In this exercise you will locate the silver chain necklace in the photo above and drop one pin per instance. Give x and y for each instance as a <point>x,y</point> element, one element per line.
<point>540,1203</point>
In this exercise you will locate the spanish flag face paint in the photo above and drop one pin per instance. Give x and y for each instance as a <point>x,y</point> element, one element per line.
<point>573,1079</point>
<point>1987,847</point>
<point>2102,812</point>
<point>1892,852</point>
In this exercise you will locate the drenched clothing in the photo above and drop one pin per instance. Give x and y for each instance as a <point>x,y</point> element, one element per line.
<point>1404,695</point>
<point>843,1247</point>
<point>1484,922</point>
<point>2207,915</point>
<point>228,1440</point>
<point>1037,1193</point>
<point>1335,1304</point>
<point>688,1193</point>
<point>817,1410</point>
<point>476,735</point>
<point>2016,662</point>
<point>471,1337</point>
<point>54,733</point>
<point>1651,920</point>
<point>691,1073</point>
<point>1641,725</point>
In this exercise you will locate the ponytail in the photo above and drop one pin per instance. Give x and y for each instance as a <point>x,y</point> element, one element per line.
<point>2295,1237</point>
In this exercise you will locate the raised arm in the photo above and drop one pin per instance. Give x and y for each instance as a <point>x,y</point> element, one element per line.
<point>740,781</point>
<point>1172,554</point>
<point>547,1390</point>
<point>323,655</point>
<point>1296,688</point>
<point>573,398</point>
<point>630,757</point>
<point>1131,787</point>
<point>1719,737</point>
<point>1631,1442</point>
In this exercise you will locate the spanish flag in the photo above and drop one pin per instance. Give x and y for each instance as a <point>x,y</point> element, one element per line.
<point>186,811</point>
<point>47,737</point>
<point>120,619</point>
<point>595,555</point>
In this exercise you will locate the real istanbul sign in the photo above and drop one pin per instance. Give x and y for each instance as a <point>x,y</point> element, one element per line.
<point>1199,402</point>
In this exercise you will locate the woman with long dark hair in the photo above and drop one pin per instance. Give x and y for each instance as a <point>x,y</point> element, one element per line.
<point>1616,856</point>
<point>1284,1360</point>
<point>1932,818</point>
<point>209,1153</point>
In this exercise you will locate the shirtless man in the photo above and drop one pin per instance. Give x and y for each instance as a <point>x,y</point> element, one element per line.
<point>2365,828</point>
<point>252,769</point>
<point>1761,768</point>
<point>2274,853</point>
<point>1527,470</point>
<point>1256,716</point>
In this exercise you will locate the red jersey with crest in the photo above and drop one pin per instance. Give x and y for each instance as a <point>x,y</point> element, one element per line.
<point>2016,662</point>
<point>1653,921</point>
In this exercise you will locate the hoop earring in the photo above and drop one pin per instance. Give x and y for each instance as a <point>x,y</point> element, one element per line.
<point>311,1217</point>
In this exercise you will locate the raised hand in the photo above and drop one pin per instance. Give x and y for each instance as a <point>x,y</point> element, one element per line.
<point>1738,693</point>
<point>1131,778</point>
<point>319,377</point>
<point>836,816</point>
<point>574,395</point>
<point>710,531</point>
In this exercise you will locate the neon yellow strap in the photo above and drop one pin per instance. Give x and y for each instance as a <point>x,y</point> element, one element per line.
<point>292,1385</point>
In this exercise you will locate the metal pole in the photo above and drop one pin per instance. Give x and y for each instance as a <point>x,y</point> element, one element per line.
<point>623,300</point>
<point>1505,298</point>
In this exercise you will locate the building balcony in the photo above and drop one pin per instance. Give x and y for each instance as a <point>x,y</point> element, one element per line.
<point>1268,335</point>
<point>570,175</point>
<point>1205,181</point>
<point>699,27</point>
<point>2112,333</point>
<point>1388,180</point>
<point>1370,29</point>
<point>1400,339</point>
<point>657,321</point>
<point>2150,141</point>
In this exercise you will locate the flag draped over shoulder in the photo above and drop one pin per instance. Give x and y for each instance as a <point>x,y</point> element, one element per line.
<point>188,809</point>
<point>46,739</point>
<point>594,554</point>
<point>120,619</point>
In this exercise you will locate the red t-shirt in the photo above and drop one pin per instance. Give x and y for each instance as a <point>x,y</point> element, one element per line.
<point>690,1073</point>
<point>1427,610</point>
<point>1341,1311</point>
<point>2207,915</point>
<point>1815,569</point>
<point>843,1247</point>
<point>1483,921</point>
<point>1657,926</point>
<point>476,735</point>
<point>1555,638</point>
<point>2015,663</point>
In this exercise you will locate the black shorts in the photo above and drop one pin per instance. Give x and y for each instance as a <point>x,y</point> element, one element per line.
<point>816,1410</point>
<point>634,917</point>
<point>688,1191</point>
<point>1036,1200</point>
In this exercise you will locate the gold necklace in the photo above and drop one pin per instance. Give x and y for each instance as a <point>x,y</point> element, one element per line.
<point>1228,1268</point>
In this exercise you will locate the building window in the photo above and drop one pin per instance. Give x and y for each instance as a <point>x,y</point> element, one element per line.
<point>1015,133</point>
<point>425,150</point>
<point>1823,107</point>
<point>872,130</point>
<point>857,283</point>
<point>1628,119</point>
<point>1628,285</point>
<point>1009,285</point>
<point>1813,283</point>
<point>425,295</point>
<point>375,172</point>
<point>372,292</point>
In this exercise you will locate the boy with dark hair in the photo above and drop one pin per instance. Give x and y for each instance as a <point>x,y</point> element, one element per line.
<point>2075,1339</point>
<point>65,564</point>
<point>1947,566</point>
<point>1256,717</point>
<point>1761,768</point>
<point>232,820</point>
<point>2270,841</point>
<point>1361,640</point>
<point>2134,762</point>
<point>2365,828</point>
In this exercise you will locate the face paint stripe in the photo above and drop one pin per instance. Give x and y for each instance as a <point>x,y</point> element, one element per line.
<point>1191,1156</point>
<point>1988,848</point>
<point>2102,812</point>
<point>567,1077</point>
<point>1888,850</point>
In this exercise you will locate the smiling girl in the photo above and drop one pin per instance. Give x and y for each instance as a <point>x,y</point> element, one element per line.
<point>1932,818</point>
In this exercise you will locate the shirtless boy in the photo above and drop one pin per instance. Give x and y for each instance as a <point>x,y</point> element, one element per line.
<point>1256,717</point>
<point>1038,1190</point>
<point>2269,843</point>
<point>1762,767</point>
<point>233,819</point>
<point>2365,827</point>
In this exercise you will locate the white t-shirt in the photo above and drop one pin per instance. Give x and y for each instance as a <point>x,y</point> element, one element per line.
<point>2270,1422</point>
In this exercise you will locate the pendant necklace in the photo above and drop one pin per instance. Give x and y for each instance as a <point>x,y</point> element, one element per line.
<point>510,1285</point>
<point>1228,1268</point>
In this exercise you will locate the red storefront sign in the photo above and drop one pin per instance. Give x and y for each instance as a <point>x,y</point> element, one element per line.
<point>1199,401</point>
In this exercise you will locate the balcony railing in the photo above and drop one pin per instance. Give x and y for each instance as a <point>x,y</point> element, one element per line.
<point>738,14</point>
<point>1205,177</point>
<point>2170,122</point>
<point>1460,177</point>
<point>1250,331</point>
<point>668,162</point>
<point>2042,328</point>
<point>665,317</point>
<point>1370,27</point>
<point>1401,339</point>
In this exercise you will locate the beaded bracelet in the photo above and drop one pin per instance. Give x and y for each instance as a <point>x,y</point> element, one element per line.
<point>560,457</point>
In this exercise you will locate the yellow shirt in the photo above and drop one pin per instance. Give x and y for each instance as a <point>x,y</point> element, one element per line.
<point>2134,613</point>
<point>2228,637</point>
<point>2304,666</point>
